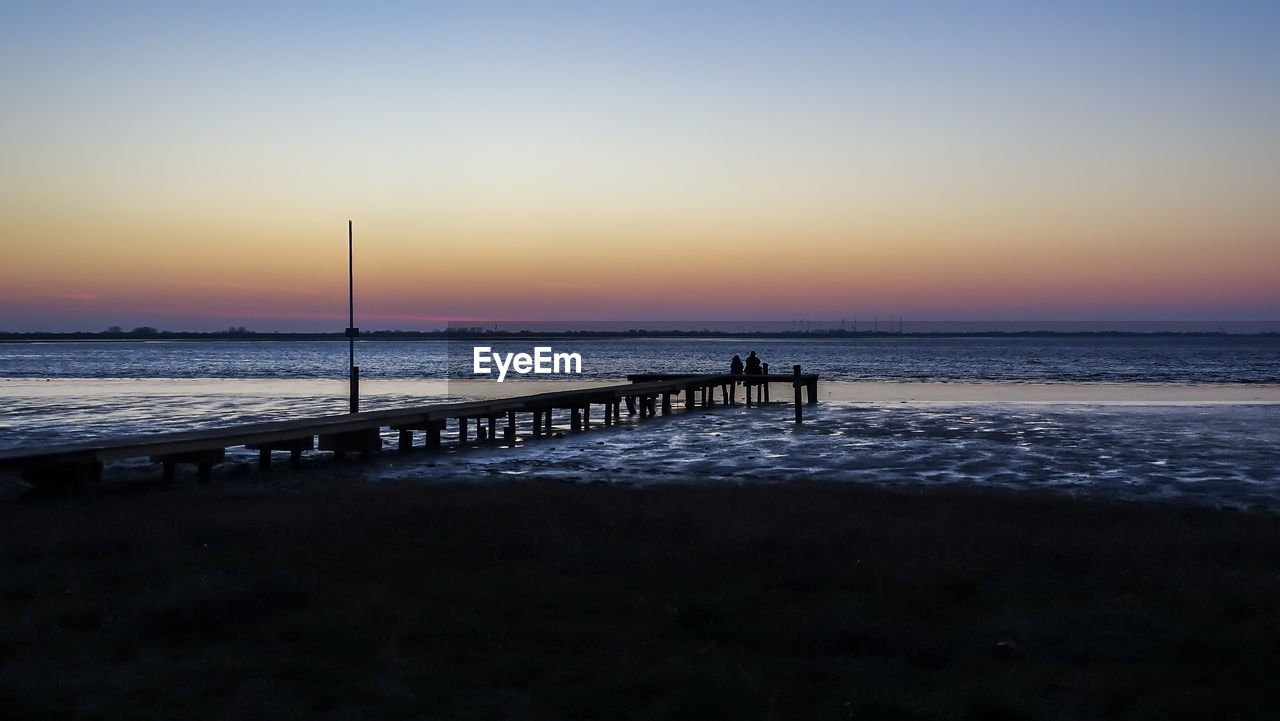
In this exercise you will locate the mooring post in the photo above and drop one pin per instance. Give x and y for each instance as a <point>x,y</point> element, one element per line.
<point>355,389</point>
<point>812,388</point>
<point>796,384</point>
<point>352,330</point>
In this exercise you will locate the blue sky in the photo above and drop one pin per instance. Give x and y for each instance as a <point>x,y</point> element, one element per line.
<point>1134,146</point>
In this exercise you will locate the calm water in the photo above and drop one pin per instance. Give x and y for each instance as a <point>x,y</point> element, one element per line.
<point>1211,449</point>
<point>1168,359</point>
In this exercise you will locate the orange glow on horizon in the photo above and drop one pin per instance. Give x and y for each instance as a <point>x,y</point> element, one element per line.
<point>420,275</point>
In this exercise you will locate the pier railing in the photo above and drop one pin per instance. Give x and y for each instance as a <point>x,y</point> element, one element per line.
<point>72,465</point>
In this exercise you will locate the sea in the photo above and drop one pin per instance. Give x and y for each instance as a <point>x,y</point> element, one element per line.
<point>1136,417</point>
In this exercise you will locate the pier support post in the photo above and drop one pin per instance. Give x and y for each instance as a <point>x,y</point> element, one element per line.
<point>709,396</point>
<point>586,416</point>
<point>366,441</point>
<point>575,419</point>
<point>204,461</point>
<point>406,440</point>
<point>688,396</point>
<point>295,447</point>
<point>747,388</point>
<point>462,430</point>
<point>631,405</point>
<point>812,389</point>
<point>433,435</point>
<point>549,410</point>
<point>733,393</point>
<point>796,385</point>
<point>493,428</point>
<point>510,432</point>
<point>666,404</point>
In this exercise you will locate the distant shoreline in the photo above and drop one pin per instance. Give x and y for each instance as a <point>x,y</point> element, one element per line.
<point>467,334</point>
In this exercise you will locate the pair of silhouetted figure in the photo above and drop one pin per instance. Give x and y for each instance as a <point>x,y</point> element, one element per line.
<point>752,367</point>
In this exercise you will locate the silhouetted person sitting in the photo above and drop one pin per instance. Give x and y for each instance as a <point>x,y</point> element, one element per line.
<point>735,366</point>
<point>753,364</point>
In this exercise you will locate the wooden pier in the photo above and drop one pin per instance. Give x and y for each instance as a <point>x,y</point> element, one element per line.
<point>70,466</point>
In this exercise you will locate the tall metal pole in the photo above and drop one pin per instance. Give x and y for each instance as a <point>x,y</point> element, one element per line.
<point>352,330</point>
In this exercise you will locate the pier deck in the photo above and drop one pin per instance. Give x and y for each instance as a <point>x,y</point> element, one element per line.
<point>72,465</point>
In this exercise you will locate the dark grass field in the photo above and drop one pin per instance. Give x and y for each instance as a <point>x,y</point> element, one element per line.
<point>676,602</point>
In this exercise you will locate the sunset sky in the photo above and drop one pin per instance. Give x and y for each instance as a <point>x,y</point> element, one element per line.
<point>193,165</point>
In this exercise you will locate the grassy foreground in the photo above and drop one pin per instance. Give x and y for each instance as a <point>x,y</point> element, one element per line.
<point>574,602</point>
